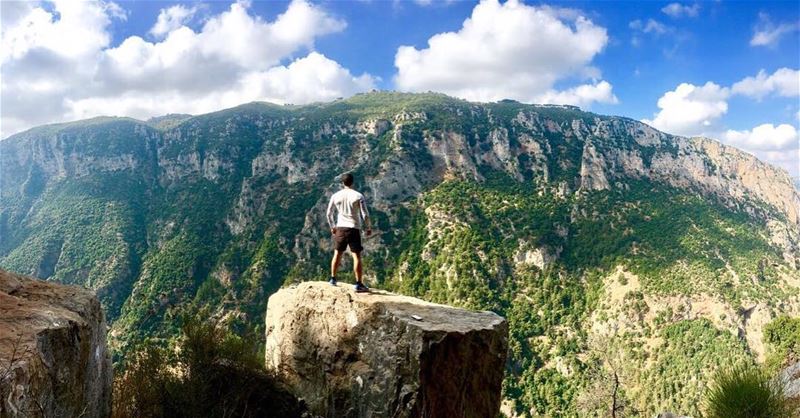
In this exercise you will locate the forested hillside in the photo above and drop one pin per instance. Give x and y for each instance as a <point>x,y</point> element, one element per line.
<point>613,249</point>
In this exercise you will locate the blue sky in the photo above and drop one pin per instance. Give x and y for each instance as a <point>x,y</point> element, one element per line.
<point>728,70</point>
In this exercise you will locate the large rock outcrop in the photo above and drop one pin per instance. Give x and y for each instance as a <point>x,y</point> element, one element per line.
<point>53,357</point>
<point>385,355</point>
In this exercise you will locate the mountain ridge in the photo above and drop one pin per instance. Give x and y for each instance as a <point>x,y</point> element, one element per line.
<point>503,206</point>
<point>286,110</point>
<point>181,118</point>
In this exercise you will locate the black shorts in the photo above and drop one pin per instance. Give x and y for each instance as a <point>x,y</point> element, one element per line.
<point>342,237</point>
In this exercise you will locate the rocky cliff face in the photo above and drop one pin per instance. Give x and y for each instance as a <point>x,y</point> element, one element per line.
<point>526,210</point>
<point>385,355</point>
<point>53,357</point>
<point>224,173</point>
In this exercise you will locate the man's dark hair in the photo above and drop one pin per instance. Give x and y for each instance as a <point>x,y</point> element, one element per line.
<point>347,179</point>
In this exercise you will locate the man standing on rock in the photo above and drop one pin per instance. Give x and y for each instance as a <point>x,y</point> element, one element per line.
<point>352,212</point>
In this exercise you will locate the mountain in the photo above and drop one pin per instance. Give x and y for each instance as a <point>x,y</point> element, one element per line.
<point>620,255</point>
<point>168,121</point>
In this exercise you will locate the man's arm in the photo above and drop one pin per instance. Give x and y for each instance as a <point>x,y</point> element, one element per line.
<point>329,215</point>
<point>365,215</point>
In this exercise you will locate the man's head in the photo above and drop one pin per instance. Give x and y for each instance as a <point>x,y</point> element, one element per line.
<point>347,179</point>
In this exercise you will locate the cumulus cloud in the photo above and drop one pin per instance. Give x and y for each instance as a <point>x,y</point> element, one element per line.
<point>695,110</point>
<point>61,66</point>
<point>228,46</point>
<point>309,79</point>
<point>79,30</point>
<point>765,137</point>
<point>509,50</point>
<point>582,95</point>
<point>172,18</point>
<point>235,37</point>
<point>783,82</point>
<point>691,110</point>
<point>46,54</point>
<point>677,10</point>
<point>769,34</point>
<point>305,80</point>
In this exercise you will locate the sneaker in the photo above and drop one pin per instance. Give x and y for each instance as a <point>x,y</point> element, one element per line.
<point>332,281</point>
<point>360,288</point>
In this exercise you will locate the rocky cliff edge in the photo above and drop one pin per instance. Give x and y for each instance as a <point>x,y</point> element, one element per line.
<point>53,357</point>
<point>384,355</point>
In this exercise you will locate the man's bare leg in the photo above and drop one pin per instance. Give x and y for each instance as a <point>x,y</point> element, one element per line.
<point>337,258</point>
<point>357,267</point>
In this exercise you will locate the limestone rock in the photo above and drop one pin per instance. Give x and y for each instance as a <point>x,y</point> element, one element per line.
<point>53,357</point>
<point>541,257</point>
<point>592,169</point>
<point>790,377</point>
<point>384,355</point>
<point>668,414</point>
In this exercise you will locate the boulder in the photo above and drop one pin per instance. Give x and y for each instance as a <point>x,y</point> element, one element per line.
<point>53,356</point>
<point>379,354</point>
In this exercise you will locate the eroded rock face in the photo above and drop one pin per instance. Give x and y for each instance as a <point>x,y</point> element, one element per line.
<point>367,355</point>
<point>790,377</point>
<point>53,357</point>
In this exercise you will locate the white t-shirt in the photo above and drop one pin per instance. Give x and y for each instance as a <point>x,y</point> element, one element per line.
<point>350,207</point>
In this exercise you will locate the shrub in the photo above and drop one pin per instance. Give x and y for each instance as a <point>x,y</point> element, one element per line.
<point>748,392</point>
<point>782,336</point>
<point>210,373</point>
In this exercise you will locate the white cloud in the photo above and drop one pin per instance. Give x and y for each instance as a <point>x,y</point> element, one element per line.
<point>172,18</point>
<point>507,50</point>
<point>305,80</point>
<point>12,11</point>
<point>652,26</point>
<point>229,45</point>
<point>669,39</point>
<point>656,27</point>
<point>691,110</point>
<point>582,95</point>
<point>61,66</point>
<point>79,30</point>
<point>45,55</point>
<point>695,110</point>
<point>309,79</point>
<point>677,10</point>
<point>766,33</point>
<point>246,40</point>
<point>783,82</point>
<point>765,137</point>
